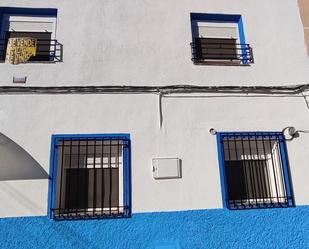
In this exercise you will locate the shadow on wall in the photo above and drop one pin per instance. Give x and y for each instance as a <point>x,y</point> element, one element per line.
<point>16,163</point>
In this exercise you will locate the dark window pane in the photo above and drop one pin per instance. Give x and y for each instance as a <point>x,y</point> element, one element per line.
<point>79,188</point>
<point>236,181</point>
<point>216,48</point>
<point>106,182</point>
<point>77,182</point>
<point>247,179</point>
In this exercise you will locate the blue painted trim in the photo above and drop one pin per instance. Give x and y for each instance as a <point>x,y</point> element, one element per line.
<point>126,166</point>
<point>251,133</point>
<point>55,172</point>
<point>26,11</point>
<point>213,228</point>
<point>215,17</point>
<point>50,179</point>
<point>29,11</point>
<point>53,176</point>
<point>108,135</point>
<point>127,178</point>
<point>285,169</point>
<point>221,169</point>
<point>242,40</point>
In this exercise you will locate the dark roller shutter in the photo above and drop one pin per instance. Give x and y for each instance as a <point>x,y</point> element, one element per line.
<point>76,194</point>
<point>216,48</point>
<point>83,192</point>
<point>236,182</point>
<point>247,179</point>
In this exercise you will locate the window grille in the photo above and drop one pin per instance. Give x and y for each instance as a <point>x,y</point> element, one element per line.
<point>255,170</point>
<point>92,178</point>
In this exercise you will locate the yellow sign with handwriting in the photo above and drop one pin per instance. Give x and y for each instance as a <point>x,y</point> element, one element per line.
<point>20,49</point>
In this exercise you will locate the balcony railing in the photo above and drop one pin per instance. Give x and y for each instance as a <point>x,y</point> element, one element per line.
<point>46,51</point>
<point>221,53</point>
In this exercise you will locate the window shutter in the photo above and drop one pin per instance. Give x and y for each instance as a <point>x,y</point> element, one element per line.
<point>34,26</point>
<point>217,32</point>
<point>216,48</point>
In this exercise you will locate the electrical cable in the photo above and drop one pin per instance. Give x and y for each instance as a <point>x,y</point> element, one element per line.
<point>164,90</point>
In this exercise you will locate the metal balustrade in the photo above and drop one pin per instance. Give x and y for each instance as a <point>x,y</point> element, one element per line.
<point>207,50</point>
<point>46,51</point>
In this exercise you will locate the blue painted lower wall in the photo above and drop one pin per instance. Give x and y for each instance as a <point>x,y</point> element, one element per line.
<point>220,228</point>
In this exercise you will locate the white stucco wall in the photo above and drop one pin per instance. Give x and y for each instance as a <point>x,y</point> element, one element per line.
<point>31,120</point>
<point>148,43</point>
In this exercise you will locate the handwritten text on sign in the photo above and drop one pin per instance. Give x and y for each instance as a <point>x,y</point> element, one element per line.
<point>20,49</point>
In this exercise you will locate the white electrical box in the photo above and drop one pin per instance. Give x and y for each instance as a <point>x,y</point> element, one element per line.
<point>166,168</point>
<point>19,79</point>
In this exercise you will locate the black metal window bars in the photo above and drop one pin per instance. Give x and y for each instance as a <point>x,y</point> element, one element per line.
<point>221,50</point>
<point>91,178</point>
<point>47,51</point>
<point>256,171</point>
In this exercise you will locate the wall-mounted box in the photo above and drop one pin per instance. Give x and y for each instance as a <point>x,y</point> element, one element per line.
<point>19,79</point>
<point>166,168</point>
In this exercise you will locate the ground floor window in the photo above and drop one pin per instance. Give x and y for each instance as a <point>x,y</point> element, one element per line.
<point>90,176</point>
<point>254,170</point>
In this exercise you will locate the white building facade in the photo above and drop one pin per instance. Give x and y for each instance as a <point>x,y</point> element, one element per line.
<point>131,109</point>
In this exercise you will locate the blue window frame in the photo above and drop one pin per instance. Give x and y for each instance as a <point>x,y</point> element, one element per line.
<point>219,38</point>
<point>254,170</point>
<point>26,12</point>
<point>90,176</point>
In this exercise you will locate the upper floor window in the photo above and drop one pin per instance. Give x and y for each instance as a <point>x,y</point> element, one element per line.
<point>29,35</point>
<point>219,39</point>
<point>254,170</point>
<point>90,176</point>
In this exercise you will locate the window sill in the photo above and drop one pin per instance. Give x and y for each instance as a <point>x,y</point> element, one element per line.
<point>32,62</point>
<point>219,63</point>
<point>82,214</point>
